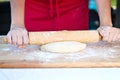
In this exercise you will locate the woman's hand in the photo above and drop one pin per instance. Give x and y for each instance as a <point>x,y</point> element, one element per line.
<point>18,36</point>
<point>109,33</point>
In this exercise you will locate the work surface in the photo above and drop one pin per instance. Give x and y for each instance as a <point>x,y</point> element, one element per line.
<point>99,54</point>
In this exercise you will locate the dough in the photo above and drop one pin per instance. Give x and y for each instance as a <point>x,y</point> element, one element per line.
<point>63,47</point>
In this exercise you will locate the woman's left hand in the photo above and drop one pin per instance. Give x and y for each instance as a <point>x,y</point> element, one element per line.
<point>109,34</point>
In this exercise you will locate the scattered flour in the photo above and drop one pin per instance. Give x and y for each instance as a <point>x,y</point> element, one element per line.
<point>94,52</point>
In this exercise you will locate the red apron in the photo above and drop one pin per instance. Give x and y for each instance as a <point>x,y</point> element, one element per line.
<point>53,15</point>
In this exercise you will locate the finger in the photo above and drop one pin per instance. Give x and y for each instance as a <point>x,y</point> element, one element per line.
<point>25,39</point>
<point>24,46</point>
<point>116,36</point>
<point>105,36</point>
<point>103,33</point>
<point>19,40</point>
<point>111,36</point>
<point>21,46</point>
<point>14,39</point>
<point>9,38</point>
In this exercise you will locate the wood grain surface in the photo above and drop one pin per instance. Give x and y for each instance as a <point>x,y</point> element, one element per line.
<point>96,55</point>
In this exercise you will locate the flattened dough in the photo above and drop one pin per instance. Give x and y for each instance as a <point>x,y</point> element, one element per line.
<point>63,47</point>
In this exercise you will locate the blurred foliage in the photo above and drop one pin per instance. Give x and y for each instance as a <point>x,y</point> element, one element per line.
<point>113,3</point>
<point>4,0</point>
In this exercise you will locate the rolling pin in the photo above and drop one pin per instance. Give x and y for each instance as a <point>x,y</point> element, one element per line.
<point>44,37</point>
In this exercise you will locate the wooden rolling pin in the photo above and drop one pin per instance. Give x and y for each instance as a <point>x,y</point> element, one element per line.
<point>45,37</point>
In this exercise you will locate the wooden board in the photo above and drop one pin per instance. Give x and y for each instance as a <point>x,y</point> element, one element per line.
<point>96,55</point>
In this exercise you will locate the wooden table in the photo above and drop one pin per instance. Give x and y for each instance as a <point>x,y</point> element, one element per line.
<point>96,55</point>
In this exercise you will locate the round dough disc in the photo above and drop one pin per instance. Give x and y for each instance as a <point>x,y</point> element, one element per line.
<point>63,47</point>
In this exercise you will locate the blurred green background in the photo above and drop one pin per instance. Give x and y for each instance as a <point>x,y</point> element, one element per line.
<point>113,3</point>
<point>4,0</point>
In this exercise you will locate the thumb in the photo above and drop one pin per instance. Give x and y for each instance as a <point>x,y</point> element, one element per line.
<point>103,33</point>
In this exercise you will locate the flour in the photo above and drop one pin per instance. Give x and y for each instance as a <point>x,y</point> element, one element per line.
<point>6,49</point>
<point>101,51</point>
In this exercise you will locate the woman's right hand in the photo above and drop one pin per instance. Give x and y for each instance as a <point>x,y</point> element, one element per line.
<point>18,36</point>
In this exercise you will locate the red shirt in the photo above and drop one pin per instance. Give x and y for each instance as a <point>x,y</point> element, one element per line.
<point>51,15</point>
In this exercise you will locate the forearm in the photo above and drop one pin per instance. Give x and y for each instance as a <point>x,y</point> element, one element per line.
<point>17,12</point>
<point>104,11</point>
